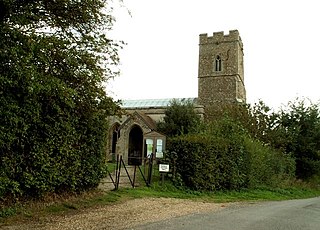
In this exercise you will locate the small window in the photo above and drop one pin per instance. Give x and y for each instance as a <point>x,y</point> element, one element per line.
<point>218,63</point>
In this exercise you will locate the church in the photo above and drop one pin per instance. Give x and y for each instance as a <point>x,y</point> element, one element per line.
<point>220,80</point>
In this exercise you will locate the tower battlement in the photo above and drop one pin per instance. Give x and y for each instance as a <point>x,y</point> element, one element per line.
<point>220,73</point>
<point>219,37</point>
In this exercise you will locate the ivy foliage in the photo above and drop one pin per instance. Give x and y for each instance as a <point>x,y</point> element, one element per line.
<point>54,58</point>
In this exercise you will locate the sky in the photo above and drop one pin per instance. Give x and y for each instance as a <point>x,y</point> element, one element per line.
<point>281,40</point>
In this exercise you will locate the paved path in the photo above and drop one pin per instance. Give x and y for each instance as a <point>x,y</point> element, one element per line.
<point>291,215</point>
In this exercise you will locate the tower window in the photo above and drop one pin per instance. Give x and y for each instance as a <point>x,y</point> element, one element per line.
<point>218,63</point>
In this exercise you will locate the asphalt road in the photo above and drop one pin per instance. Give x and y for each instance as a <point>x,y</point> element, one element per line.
<point>293,214</point>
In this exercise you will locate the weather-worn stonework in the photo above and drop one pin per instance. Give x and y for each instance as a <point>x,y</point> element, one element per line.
<point>220,75</point>
<point>220,80</point>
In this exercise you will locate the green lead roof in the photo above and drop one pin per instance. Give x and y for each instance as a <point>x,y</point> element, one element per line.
<point>152,103</point>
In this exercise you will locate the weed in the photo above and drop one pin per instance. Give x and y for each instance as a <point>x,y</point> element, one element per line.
<point>8,211</point>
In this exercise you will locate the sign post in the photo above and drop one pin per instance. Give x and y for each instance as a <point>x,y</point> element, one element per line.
<point>163,168</point>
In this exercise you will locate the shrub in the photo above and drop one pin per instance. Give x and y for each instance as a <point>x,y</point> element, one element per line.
<point>268,166</point>
<point>211,162</point>
<point>223,156</point>
<point>54,106</point>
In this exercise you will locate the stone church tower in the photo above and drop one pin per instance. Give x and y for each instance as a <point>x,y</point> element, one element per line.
<point>220,73</point>
<point>134,135</point>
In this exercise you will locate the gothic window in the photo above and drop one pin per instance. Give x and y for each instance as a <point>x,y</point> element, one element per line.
<point>218,63</point>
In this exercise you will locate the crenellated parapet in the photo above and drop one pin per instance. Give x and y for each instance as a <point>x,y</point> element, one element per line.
<point>220,37</point>
<point>220,73</point>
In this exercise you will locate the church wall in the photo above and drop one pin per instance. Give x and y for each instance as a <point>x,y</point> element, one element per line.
<point>156,114</point>
<point>226,84</point>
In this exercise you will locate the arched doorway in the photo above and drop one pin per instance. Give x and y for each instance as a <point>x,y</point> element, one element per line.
<point>135,146</point>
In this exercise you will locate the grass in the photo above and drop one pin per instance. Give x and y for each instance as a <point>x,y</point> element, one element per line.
<point>258,194</point>
<point>111,166</point>
<point>56,205</point>
<point>71,203</point>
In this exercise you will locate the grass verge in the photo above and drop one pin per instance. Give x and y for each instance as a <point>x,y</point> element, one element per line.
<point>71,203</point>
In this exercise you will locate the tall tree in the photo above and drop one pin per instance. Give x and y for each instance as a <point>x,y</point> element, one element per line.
<point>54,58</point>
<point>180,118</point>
<point>301,122</point>
<point>257,119</point>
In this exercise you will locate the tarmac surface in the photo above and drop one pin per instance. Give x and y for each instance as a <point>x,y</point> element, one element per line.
<point>285,215</point>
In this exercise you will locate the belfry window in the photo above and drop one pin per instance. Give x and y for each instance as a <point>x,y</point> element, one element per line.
<point>218,63</point>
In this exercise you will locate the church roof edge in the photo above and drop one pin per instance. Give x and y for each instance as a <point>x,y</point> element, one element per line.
<point>153,103</point>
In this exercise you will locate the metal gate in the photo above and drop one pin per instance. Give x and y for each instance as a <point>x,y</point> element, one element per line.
<point>126,174</point>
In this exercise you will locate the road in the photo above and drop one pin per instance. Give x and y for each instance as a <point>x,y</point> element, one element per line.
<point>284,215</point>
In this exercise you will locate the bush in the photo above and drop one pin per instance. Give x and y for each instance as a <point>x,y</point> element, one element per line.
<point>62,156</point>
<point>224,157</point>
<point>54,61</point>
<point>268,166</point>
<point>211,162</point>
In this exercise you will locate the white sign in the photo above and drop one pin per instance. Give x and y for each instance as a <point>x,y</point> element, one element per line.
<point>159,154</point>
<point>149,143</point>
<point>163,168</point>
<point>159,145</point>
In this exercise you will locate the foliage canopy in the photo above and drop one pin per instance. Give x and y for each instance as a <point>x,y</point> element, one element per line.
<point>294,129</point>
<point>54,58</point>
<point>301,124</point>
<point>180,118</point>
<point>248,146</point>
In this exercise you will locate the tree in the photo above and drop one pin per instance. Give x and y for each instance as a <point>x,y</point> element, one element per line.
<point>180,118</point>
<point>258,119</point>
<point>294,130</point>
<point>54,58</point>
<point>301,123</point>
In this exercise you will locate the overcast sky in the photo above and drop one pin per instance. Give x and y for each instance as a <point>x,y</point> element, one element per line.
<point>281,41</point>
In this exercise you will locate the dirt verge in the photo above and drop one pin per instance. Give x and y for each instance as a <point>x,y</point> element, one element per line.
<point>121,216</point>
